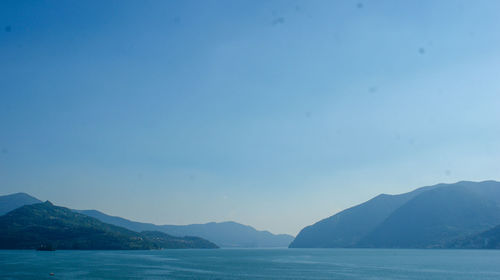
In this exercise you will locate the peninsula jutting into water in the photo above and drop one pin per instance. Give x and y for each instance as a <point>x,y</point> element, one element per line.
<point>61,228</point>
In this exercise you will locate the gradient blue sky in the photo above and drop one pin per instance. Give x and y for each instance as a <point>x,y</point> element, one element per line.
<point>270,113</point>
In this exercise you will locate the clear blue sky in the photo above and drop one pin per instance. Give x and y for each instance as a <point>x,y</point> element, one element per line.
<point>270,113</point>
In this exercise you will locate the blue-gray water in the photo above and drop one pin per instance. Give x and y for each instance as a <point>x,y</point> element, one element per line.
<point>252,264</point>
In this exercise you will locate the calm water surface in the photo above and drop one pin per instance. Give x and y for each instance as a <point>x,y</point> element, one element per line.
<point>252,264</point>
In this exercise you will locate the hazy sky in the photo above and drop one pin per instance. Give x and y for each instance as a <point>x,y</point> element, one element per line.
<point>274,114</point>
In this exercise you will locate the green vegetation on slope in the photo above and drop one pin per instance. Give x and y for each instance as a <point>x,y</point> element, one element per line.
<point>167,241</point>
<point>489,239</point>
<point>30,226</point>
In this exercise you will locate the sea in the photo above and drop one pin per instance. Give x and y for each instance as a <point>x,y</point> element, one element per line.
<point>252,264</point>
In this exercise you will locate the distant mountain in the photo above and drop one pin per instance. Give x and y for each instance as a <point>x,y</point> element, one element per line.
<point>429,217</point>
<point>348,227</point>
<point>231,234</point>
<point>33,225</point>
<point>225,234</point>
<point>437,216</point>
<point>13,201</point>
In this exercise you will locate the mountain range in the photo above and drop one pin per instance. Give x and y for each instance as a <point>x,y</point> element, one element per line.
<point>47,225</point>
<point>459,215</point>
<point>224,234</point>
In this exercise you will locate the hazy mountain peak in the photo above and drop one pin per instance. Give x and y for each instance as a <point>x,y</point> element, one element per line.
<point>15,200</point>
<point>426,217</point>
